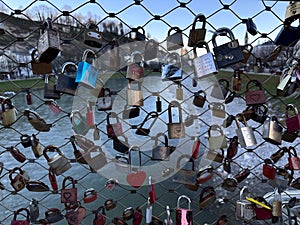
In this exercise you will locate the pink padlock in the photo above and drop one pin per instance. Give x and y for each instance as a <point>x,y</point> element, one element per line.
<point>292,122</point>
<point>184,216</point>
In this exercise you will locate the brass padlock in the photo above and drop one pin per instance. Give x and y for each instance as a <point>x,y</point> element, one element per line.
<point>245,134</point>
<point>48,43</point>
<point>36,146</point>
<point>59,163</point>
<point>292,11</point>
<point>36,121</point>
<point>8,113</point>
<point>134,96</point>
<point>162,152</point>
<point>92,36</point>
<point>272,131</point>
<point>175,129</point>
<point>218,109</point>
<point>39,67</point>
<point>236,81</point>
<point>199,98</point>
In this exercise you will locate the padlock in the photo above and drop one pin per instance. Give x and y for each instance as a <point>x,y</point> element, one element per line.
<point>50,91</point>
<point>138,36</point>
<point>8,113</point>
<point>90,195</point>
<point>257,66</point>
<point>186,174</point>
<point>52,179</point>
<point>92,36</point>
<point>53,106</point>
<point>16,221</point>
<point>134,96</point>
<point>272,131</point>
<point>20,157</point>
<point>81,157</point>
<point>136,175</point>
<point>19,181</point>
<point>282,178</point>
<point>229,184</point>
<point>227,165</point>
<point>90,118</point>
<point>175,129</point>
<point>158,104</point>
<point>151,191</point>
<point>179,92</point>
<point>68,195</point>
<point>59,163</point>
<point>39,67</point>
<point>207,197</point>
<point>110,204</point>
<point>260,113</point>
<point>242,175</point>
<point>220,89</point>
<point>279,154</point>
<point>198,34</point>
<point>49,42</point>
<point>168,220</point>
<point>204,174</point>
<point>269,169</point>
<point>128,213</point>
<point>215,156</point>
<point>232,148</point>
<point>100,216</point>
<point>28,97</point>
<point>135,70</point>
<point>79,123</point>
<point>261,213</point>
<point>162,152</point>
<point>199,98</point>
<point>255,97</point>
<point>277,204</point>
<point>244,209</point>
<point>184,215</point>
<point>196,147</point>
<point>37,186</point>
<point>34,210</point>
<point>229,53</point>
<point>87,71</point>
<point>294,160</point>
<point>289,137</point>
<point>245,134</point>
<point>217,109</point>
<point>171,69</point>
<point>247,51</point>
<point>230,97</point>
<point>228,121</point>
<point>141,130</point>
<point>25,140</point>
<point>97,158</point>
<point>288,35</point>
<point>121,146</point>
<point>36,121</point>
<point>251,27</point>
<point>66,79</point>
<point>236,81</point>
<point>292,11</point>
<point>248,112</point>
<point>137,216</point>
<point>114,55</point>
<point>217,141</point>
<point>53,215</point>
<point>174,41</point>
<point>130,112</point>
<point>36,146</point>
<point>104,100</point>
<point>204,64</point>
<point>151,49</point>
<point>292,122</point>
<point>285,80</point>
<point>75,213</point>
<point>115,129</point>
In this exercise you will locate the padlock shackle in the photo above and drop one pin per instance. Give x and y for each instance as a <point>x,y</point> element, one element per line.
<point>113,115</point>
<point>85,54</point>
<point>198,93</point>
<point>14,171</point>
<point>101,208</point>
<point>118,157</point>
<point>92,26</point>
<point>68,64</point>
<point>134,148</point>
<point>75,114</point>
<point>135,53</point>
<point>159,135</point>
<point>222,81</point>
<point>174,104</point>
<point>89,191</point>
<point>185,197</point>
<point>68,178</point>
<point>50,148</point>
<point>291,107</point>
<point>27,113</point>
<point>238,122</point>
<point>294,153</point>
<point>152,114</point>
<point>32,55</point>
<point>176,29</point>
<point>173,55</point>
<point>129,85</point>
<point>201,18</point>
<point>244,48</point>
<point>201,44</point>
<point>17,212</point>
<point>208,191</point>
<point>102,92</point>
<point>222,32</point>
<point>202,171</point>
<point>136,29</point>
<point>245,188</point>
<point>8,102</point>
<point>190,160</point>
<point>216,128</point>
<point>256,82</point>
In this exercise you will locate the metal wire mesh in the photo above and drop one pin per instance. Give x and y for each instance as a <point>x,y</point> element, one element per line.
<point>167,191</point>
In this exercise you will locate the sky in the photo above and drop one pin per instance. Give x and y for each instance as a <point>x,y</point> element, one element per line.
<point>181,17</point>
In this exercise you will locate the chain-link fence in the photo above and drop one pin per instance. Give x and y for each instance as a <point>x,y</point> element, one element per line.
<point>221,174</point>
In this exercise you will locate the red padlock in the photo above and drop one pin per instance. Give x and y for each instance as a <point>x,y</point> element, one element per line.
<point>100,216</point>
<point>261,212</point>
<point>16,221</point>
<point>137,216</point>
<point>90,120</point>
<point>196,147</point>
<point>269,170</point>
<point>294,160</point>
<point>90,195</point>
<point>151,191</point>
<point>233,147</point>
<point>28,97</point>
<point>17,154</point>
<point>293,122</point>
<point>52,179</point>
<point>68,195</point>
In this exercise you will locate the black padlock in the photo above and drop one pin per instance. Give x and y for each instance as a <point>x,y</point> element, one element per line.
<point>138,35</point>
<point>197,35</point>
<point>158,104</point>
<point>92,36</point>
<point>251,27</point>
<point>199,98</point>
<point>145,131</point>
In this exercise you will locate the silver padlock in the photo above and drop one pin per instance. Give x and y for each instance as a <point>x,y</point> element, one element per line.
<point>245,134</point>
<point>272,131</point>
<point>218,109</point>
<point>244,209</point>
